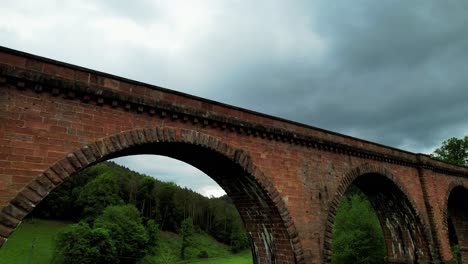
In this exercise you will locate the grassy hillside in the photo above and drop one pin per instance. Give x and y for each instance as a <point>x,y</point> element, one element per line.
<point>241,258</point>
<point>216,252</point>
<point>34,240</point>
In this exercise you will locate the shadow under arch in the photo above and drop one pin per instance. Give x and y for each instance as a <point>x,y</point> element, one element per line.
<point>273,236</point>
<point>404,233</point>
<point>455,216</point>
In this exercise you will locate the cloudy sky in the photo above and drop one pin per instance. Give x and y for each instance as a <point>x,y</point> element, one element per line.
<point>393,72</point>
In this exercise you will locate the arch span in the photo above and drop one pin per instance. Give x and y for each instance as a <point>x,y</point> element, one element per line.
<point>404,233</point>
<point>456,217</point>
<point>266,218</point>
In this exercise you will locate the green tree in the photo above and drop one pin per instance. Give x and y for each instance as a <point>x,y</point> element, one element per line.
<point>146,200</point>
<point>61,203</point>
<point>453,150</point>
<point>80,244</point>
<point>152,229</point>
<point>239,239</point>
<point>456,252</point>
<point>167,208</point>
<point>186,232</point>
<point>125,228</point>
<point>99,193</point>
<point>357,235</point>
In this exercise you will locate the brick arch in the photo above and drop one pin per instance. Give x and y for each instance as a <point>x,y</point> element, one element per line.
<point>460,223</point>
<point>452,185</point>
<point>266,198</point>
<point>367,169</point>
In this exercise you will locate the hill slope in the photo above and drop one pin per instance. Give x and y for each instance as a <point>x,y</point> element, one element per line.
<point>33,241</point>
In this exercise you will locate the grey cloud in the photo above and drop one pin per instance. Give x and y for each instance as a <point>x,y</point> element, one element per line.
<point>371,34</point>
<point>414,55</point>
<point>392,72</point>
<point>140,11</point>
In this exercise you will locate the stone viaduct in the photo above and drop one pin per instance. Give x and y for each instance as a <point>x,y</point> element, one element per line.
<point>285,178</point>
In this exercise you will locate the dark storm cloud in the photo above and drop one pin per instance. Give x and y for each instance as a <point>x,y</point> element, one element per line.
<point>393,72</point>
<point>405,64</point>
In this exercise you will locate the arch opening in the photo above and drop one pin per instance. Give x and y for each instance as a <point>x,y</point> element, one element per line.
<point>85,197</point>
<point>265,217</point>
<point>457,221</point>
<point>257,210</point>
<point>357,234</point>
<point>404,237</point>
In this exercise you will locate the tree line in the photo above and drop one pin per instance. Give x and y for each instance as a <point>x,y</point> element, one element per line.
<point>107,199</point>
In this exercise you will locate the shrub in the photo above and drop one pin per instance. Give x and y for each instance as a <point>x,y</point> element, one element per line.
<point>203,254</point>
<point>80,244</point>
<point>152,229</point>
<point>125,228</point>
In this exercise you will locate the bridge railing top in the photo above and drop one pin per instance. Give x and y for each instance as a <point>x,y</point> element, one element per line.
<point>20,64</point>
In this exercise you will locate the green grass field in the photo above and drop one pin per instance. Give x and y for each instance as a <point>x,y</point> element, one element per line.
<point>33,240</point>
<point>169,251</point>
<point>241,258</point>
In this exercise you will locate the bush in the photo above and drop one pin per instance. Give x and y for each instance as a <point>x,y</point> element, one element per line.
<point>152,229</point>
<point>80,244</point>
<point>456,253</point>
<point>98,194</point>
<point>239,238</point>
<point>186,232</point>
<point>125,228</point>
<point>357,235</point>
<point>203,254</point>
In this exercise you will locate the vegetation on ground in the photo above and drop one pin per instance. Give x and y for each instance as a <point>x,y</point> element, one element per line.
<point>205,249</point>
<point>119,215</point>
<point>18,248</point>
<point>85,195</point>
<point>32,242</point>
<point>244,257</point>
<point>80,244</point>
<point>357,234</point>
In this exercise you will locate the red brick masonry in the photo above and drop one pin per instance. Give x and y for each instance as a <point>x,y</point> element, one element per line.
<point>285,178</point>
